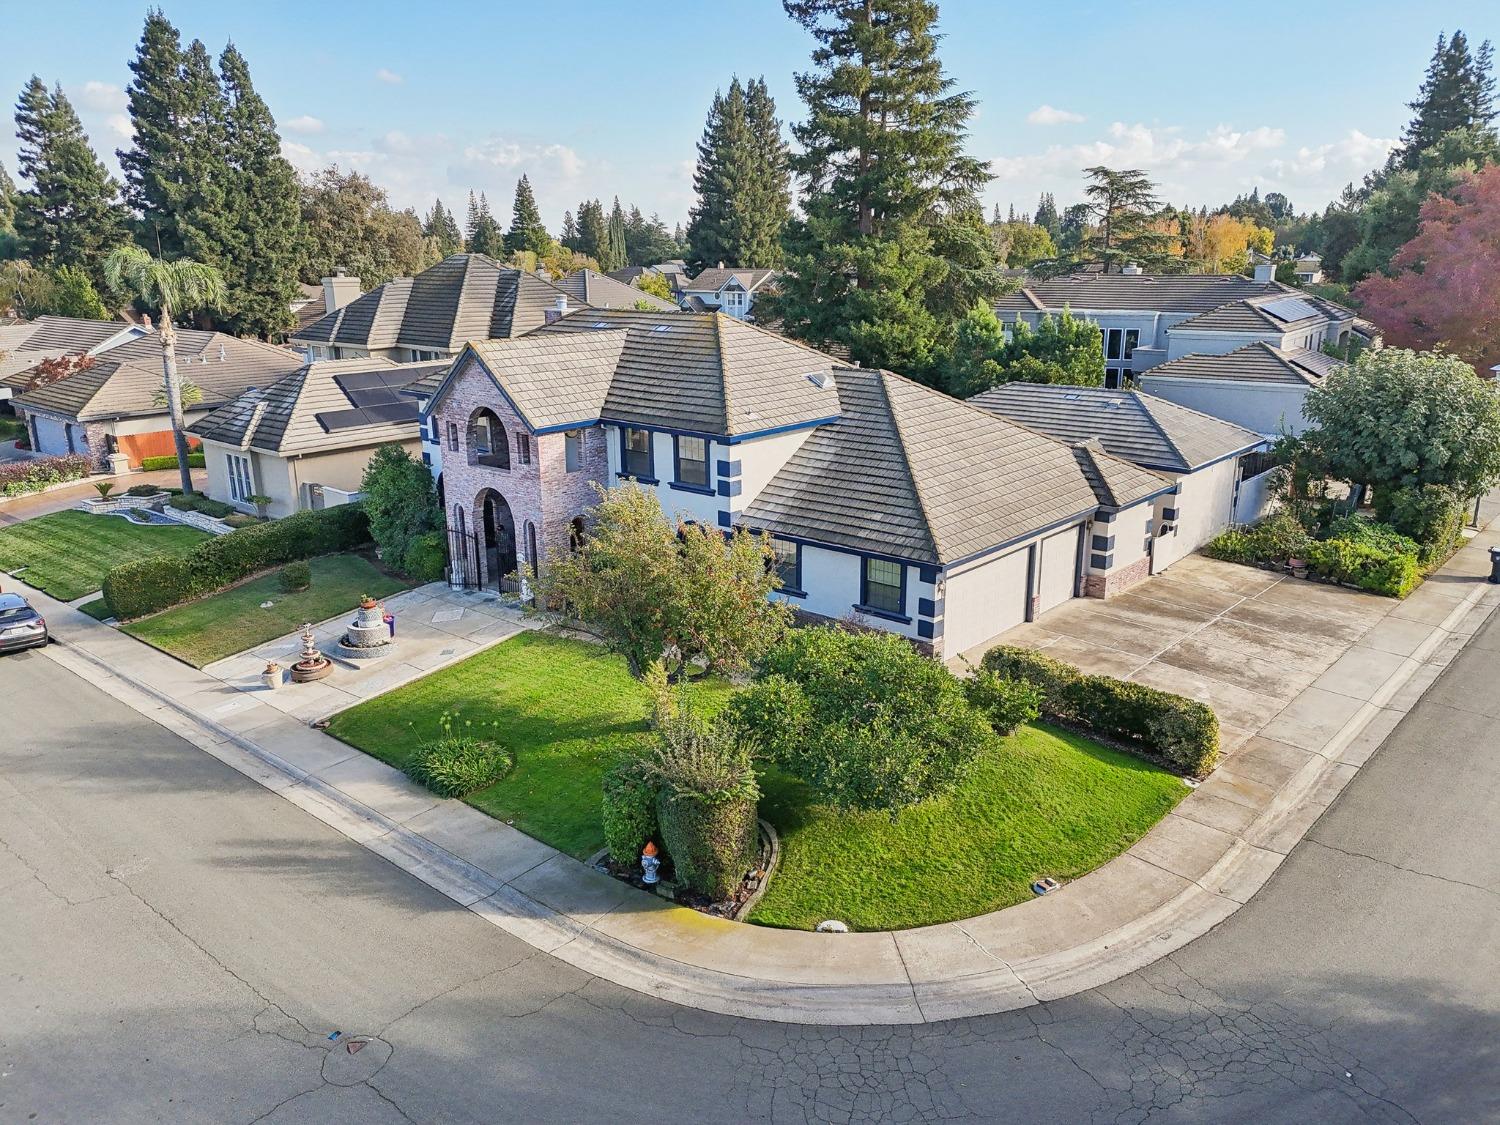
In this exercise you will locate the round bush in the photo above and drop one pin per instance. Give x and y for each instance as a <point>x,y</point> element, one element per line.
<point>1007,704</point>
<point>457,765</point>
<point>142,490</point>
<point>629,810</point>
<point>295,576</point>
<point>426,558</point>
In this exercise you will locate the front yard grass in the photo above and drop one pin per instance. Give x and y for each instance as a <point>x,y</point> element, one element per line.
<point>67,554</point>
<point>1043,802</point>
<point>231,621</point>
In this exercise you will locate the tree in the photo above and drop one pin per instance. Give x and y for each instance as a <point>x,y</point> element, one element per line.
<point>1446,288</point>
<point>441,229</point>
<point>484,233</point>
<point>570,237</point>
<point>1062,350</point>
<point>593,230</point>
<point>1222,243</point>
<point>69,214</point>
<point>1397,419</point>
<point>656,284</point>
<point>1124,203</point>
<point>401,502</point>
<point>1458,92</point>
<point>863,718</point>
<point>891,248</point>
<point>9,243</point>
<point>654,591</point>
<point>647,241</point>
<point>973,361</point>
<point>742,182</point>
<point>348,224</point>
<point>612,254</point>
<point>156,166</point>
<point>74,295</point>
<point>258,247</point>
<point>171,288</point>
<point>527,231</point>
<point>64,291</point>
<point>1021,243</point>
<point>1046,215</point>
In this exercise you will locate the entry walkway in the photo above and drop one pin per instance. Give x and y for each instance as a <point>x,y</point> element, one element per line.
<point>1194,869</point>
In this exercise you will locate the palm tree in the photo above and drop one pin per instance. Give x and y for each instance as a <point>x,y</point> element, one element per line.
<point>170,287</point>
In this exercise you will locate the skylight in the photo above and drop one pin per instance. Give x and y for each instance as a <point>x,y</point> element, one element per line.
<point>601,324</point>
<point>662,328</point>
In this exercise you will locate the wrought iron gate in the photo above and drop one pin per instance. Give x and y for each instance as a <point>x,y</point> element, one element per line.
<point>463,559</point>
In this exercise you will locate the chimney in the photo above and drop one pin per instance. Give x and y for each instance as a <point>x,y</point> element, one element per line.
<point>339,290</point>
<point>1265,271</point>
<point>721,265</point>
<point>1130,269</point>
<point>557,312</point>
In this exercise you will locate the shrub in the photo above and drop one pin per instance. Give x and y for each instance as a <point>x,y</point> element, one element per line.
<point>20,477</point>
<point>155,582</point>
<point>401,500</point>
<point>215,508</point>
<point>1272,541</point>
<point>458,762</point>
<point>240,519</point>
<point>142,490</point>
<point>1392,573</point>
<point>104,488</point>
<point>629,810</point>
<point>866,720</point>
<point>1181,732</point>
<point>295,576</point>
<point>427,557</point>
<point>705,804</point>
<point>152,464</point>
<point>1432,517</point>
<point>1007,704</point>
<point>184,501</point>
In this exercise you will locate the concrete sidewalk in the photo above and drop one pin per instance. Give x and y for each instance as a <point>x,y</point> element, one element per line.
<point>1191,871</point>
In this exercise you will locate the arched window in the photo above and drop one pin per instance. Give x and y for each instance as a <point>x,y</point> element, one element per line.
<point>576,532</point>
<point>459,521</point>
<point>488,443</point>
<point>531,554</point>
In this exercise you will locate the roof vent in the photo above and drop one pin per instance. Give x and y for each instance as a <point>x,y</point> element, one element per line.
<point>221,353</point>
<point>823,380</point>
<point>1072,394</point>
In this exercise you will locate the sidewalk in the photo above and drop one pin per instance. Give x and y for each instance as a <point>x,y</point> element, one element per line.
<point>1190,872</point>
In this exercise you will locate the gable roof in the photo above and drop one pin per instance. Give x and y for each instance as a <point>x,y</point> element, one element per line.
<point>1148,431</point>
<point>908,471</point>
<point>552,382</point>
<point>464,297</point>
<point>1116,482</point>
<point>23,346</point>
<point>318,408</point>
<point>125,380</point>
<point>602,291</point>
<point>1170,293</point>
<point>1259,362</point>
<point>714,279</point>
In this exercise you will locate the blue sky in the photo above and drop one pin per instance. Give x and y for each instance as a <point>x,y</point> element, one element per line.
<point>600,97</point>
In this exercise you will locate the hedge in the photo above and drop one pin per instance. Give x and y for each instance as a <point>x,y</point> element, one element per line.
<point>156,582</point>
<point>1365,565</point>
<point>20,477</point>
<point>196,502</point>
<point>1180,732</point>
<point>427,557</point>
<point>151,464</point>
<point>628,811</point>
<point>1356,551</point>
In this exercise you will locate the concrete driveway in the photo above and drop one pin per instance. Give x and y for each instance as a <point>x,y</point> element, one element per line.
<point>1247,642</point>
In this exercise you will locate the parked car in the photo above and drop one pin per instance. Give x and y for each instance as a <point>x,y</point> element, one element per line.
<point>20,625</point>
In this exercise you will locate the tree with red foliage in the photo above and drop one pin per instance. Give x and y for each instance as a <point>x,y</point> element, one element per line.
<point>1446,289</point>
<point>56,368</point>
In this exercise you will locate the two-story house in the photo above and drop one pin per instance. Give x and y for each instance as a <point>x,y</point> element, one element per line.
<point>731,291</point>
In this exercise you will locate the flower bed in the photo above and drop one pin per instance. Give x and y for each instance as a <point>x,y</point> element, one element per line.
<point>1355,552</point>
<point>17,478</point>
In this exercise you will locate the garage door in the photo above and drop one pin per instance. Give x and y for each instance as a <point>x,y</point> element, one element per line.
<point>982,603</point>
<point>1059,568</point>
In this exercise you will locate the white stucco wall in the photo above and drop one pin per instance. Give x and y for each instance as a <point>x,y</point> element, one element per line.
<point>1181,341</point>
<point>831,580</point>
<point>674,502</point>
<point>1266,408</point>
<point>760,459</point>
<point>983,599</point>
<point>1205,507</point>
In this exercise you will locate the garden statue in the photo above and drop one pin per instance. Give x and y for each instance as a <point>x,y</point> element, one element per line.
<point>369,636</point>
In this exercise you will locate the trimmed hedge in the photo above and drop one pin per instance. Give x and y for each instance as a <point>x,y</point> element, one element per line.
<point>197,502</point>
<point>146,585</point>
<point>17,478</point>
<point>1180,732</point>
<point>1365,565</point>
<point>427,557</point>
<point>295,576</point>
<point>151,464</point>
<point>629,811</point>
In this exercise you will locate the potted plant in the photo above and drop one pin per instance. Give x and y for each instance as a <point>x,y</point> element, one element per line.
<point>367,602</point>
<point>261,504</point>
<point>1298,567</point>
<point>271,677</point>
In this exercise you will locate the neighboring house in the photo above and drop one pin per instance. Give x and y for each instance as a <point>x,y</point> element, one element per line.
<point>24,345</point>
<point>1146,320</point>
<point>602,291</point>
<point>117,405</point>
<point>1217,471</point>
<point>887,501</point>
<point>1259,387</point>
<point>304,441</point>
<point>731,291</point>
<point>1308,269</point>
<point>675,271</point>
<point>433,315</point>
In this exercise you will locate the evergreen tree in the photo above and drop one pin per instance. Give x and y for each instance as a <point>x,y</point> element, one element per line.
<point>69,215</point>
<point>1046,215</point>
<point>485,235</point>
<point>259,248</point>
<point>1125,204</point>
<point>526,229</point>
<point>593,229</point>
<point>647,241</point>
<point>570,239</point>
<point>1458,92</point>
<point>442,229</point>
<point>612,253</point>
<point>892,248</point>
<point>9,243</point>
<point>156,173</point>
<point>742,181</point>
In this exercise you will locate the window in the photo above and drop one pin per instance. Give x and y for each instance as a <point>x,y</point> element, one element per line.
<point>788,564</point>
<point>883,581</point>
<point>1112,377</point>
<point>240,486</point>
<point>523,449</point>
<point>453,436</point>
<point>692,461</point>
<point>1132,338</point>
<point>488,444</point>
<point>573,450</point>
<point>418,355</point>
<point>1112,344</point>
<point>531,556</point>
<point>636,460</point>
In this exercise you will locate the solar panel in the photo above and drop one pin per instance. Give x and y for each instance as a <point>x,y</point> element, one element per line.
<point>372,388</point>
<point>332,420</point>
<point>1288,309</point>
<point>392,412</point>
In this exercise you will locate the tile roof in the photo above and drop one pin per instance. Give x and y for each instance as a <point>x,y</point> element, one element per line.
<point>1255,363</point>
<point>713,279</point>
<point>908,471</point>
<point>554,380</point>
<point>464,297</point>
<point>1116,482</point>
<point>125,380</point>
<point>602,291</point>
<point>1171,293</point>
<point>1140,428</point>
<point>74,335</point>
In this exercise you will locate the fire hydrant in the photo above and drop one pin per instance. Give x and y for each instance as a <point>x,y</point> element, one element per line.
<point>649,864</point>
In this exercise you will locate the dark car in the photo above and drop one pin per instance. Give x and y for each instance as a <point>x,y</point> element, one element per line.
<point>20,625</point>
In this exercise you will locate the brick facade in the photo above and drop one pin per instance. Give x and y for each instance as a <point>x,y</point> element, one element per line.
<point>542,494</point>
<point>1116,581</point>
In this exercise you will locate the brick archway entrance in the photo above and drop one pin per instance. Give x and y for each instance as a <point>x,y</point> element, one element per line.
<point>496,528</point>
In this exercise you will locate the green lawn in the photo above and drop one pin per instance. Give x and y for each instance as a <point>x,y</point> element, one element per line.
<point>11,429</point>
<point>1044,802</point>
<point>67,554</point>
<point>98,609</point>
<point>212,628</point>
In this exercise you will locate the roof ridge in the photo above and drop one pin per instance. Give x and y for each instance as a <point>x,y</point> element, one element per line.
<point>881,375</point>
<point>718,327</point>
<point>1145,409</point>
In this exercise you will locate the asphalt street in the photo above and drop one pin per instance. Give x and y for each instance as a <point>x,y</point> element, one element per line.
<point>179,945</point>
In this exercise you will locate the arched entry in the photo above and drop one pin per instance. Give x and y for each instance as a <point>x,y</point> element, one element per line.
<point>497,537</point>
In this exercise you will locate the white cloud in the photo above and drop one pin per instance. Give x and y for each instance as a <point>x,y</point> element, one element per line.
<point>1354,154</point>
<point>306,125</point>
<point>102,97</point>
<point>537,161</point>
<point>1050,115</point>
<point>389,77</point>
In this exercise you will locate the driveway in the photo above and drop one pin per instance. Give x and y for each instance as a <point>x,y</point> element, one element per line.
<point>21,508</point>
<point>1247,642</point>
